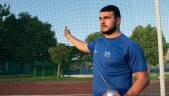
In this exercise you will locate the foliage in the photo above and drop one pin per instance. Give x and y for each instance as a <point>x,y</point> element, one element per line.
<point>59,55</point>
<point>92,36</point>
<point>4,11</point>
<point>27,39</point>
<point>147,38</point>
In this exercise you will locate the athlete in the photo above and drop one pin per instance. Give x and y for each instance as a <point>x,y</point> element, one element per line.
<point>115,57</point>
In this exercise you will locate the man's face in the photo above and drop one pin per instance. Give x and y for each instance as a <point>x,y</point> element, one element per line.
<point>107,22</point>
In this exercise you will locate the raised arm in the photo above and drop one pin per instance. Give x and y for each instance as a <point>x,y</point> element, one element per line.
<point>81,45</point>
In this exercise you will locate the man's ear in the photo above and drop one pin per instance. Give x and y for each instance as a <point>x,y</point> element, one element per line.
<point>118,20</point>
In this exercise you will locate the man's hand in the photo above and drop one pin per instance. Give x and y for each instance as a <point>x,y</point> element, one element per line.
<point>66,31</point>
<point>81,45</point>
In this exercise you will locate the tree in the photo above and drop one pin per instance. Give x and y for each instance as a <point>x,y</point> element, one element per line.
<point>59,55</point>
<point>26,41</point>
<point>147,38</point>
<point>4,13</point>
<point>167,46</point>
<point>94,35</point>
<point>28,38</point>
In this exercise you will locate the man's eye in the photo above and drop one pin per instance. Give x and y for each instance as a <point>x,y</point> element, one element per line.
<point>106,18</point>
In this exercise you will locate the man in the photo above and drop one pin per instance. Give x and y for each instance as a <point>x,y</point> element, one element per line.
<point>115,57</point>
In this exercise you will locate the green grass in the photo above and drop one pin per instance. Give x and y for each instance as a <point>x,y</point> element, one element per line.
<point>27,78</point>
<point>155,76</point>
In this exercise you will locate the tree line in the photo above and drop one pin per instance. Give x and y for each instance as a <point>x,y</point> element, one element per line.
<point>25,38</point>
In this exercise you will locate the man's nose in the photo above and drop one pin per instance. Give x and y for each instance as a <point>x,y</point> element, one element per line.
<point>102,21</point>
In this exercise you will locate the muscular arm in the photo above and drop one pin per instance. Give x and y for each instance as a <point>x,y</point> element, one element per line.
<point>81,45</point>
<point>142,80</point>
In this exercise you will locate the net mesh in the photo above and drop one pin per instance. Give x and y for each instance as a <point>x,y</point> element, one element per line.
<point>33,43</point>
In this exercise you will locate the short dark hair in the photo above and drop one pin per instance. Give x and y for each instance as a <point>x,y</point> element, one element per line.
<point>113,8</point>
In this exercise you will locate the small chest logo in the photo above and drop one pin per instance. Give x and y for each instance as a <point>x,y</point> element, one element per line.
<point>95,51</point>
<point>107,54</point>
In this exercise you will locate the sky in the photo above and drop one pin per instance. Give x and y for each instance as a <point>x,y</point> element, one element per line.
<point>82,16</point>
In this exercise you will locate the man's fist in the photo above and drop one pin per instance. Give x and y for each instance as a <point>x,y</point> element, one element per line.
<point>66,31</point>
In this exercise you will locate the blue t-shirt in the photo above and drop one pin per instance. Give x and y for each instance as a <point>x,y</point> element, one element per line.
<point>116,59</point>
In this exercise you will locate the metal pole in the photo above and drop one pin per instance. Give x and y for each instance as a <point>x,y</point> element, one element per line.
<point>160,49</point>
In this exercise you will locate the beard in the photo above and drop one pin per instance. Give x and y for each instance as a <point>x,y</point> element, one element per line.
<point>110,31</point>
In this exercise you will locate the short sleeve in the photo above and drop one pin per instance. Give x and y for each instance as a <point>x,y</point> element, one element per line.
<point>137,60</point>
<point>91,46</point>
